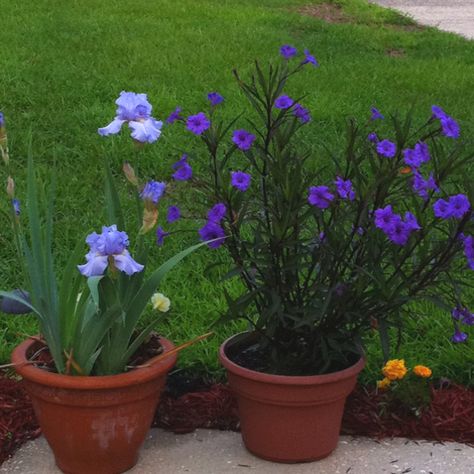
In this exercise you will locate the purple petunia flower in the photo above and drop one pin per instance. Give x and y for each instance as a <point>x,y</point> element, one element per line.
<point>320,196</point>
<point>136,111</point>
<point>386,148</point>
<point>375,114</point>
<point>215,98</point>
<point>438,112</point>
<point>463,315</point>
<point>240,180</point>
<point>459,205</point>
<point>310,59</point>
<point>468,243</point>
<point>153,191</point>
<point>384,218</point>
<point>411,222</point>
<point>417,156</point>
<point>458,336</point>
<point>211,231</point>
<point>173,214</point>
<point>344,188</point>
<point>242,139</point>
<point>160,235</point>
<point>174,116</point>
<point>16,206</point>
<point>110,245</point>
<point>422,186</point>
<point>450,127</point>
<point>372,137</point>
<point>183,170</point>
<point>399,231</point>
<point>301,113</point>
<point>198,123</point>
<point>283,102</point>
<point>217,212</point>
<point>288,51</point>
<point>441,209</point>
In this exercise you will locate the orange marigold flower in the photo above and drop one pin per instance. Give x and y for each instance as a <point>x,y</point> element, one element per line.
<point>383,384</point>
<point>395,369</point>
<point>422,371</point>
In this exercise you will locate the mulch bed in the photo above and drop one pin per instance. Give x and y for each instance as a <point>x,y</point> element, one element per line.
<point>450,417</point>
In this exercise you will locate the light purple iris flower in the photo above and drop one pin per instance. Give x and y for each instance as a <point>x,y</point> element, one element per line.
<point>109,246</point>
<point>136,111</point>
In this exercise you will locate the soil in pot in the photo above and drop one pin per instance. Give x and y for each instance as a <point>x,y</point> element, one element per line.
<point>287,418</point>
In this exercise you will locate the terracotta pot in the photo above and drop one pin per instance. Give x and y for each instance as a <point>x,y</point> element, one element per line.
<point>94,424</point>
<point>285,418</point>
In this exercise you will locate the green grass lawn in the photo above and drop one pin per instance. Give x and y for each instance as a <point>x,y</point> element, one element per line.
<point>64,64</point>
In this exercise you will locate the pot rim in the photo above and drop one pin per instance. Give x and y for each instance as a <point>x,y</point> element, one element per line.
<point>134,377</point>
<point>285,379</point>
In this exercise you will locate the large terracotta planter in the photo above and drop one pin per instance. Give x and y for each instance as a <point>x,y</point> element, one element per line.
<point>94,424</point>
<point>284,418</point>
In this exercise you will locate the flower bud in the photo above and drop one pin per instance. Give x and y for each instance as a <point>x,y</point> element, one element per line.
<point>10,187</point>
<point>130,173</point>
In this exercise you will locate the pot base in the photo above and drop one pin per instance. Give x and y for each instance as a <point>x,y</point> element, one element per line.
<point>289,419</point>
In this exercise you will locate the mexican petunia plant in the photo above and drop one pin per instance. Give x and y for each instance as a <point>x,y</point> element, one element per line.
<point>330,245</point>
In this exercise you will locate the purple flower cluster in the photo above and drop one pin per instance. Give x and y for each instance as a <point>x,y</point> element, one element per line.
<point>153,191</point>
<point>242,139</point>
<point>240,180</point>
<point>173,214</point>
<point>301,113</point>
<point>320,196</point>
<point>160,236</point>
<point>394,227</point>
<point>283,102</point>
<point>198,123</point>
<point>417,156</point>
<point>375,114</point>
<point>174,116</point>
<point>456,206</point>
<point>468,242</point>
<point>310,59</point>
<point>421,185</point>
<point>109,246</point>
<point>386,148</point>
<point>344,188</point>
<point>288,51</point>
<point>183,170</point>
<point>136,111</point>
<point>217,212</point>
<point>463,316</point>
<point>215,98</point>
<point>449,126</point>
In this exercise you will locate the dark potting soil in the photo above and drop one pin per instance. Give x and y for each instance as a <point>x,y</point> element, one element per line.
<point>152,347</point>
<point>256,358</point>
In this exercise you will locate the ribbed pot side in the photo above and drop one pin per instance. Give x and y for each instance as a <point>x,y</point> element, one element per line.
<point>289,419</point>
<point>94,424</point>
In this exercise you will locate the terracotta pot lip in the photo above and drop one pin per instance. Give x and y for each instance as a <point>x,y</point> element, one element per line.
<point>286,379</point>
<point>134,377</point>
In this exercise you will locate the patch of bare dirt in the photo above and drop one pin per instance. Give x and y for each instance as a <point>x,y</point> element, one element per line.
<point>395,53</point>
<point>325,11</point>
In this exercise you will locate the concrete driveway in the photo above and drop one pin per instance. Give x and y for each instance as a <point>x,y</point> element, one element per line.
<point>456,16</point>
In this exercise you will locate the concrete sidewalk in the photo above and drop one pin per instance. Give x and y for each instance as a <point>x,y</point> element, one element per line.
<point>222,452</point>
<point>456,16</point>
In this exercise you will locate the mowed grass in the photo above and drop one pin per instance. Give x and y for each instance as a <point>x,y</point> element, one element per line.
<point>64,64</point>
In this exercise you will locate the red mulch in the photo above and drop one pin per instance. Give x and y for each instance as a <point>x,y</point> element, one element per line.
<point>450,416</point>
<point>17,420</point>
